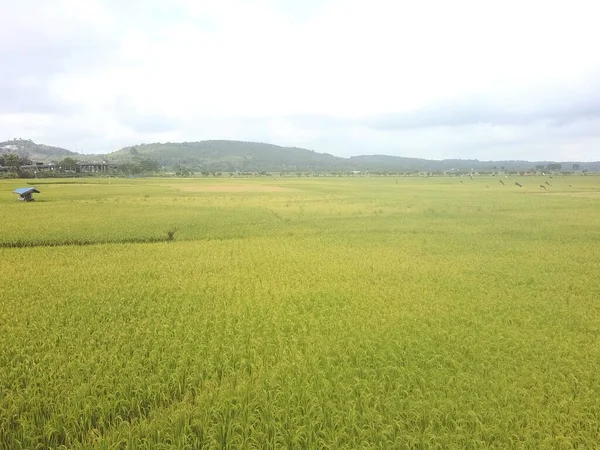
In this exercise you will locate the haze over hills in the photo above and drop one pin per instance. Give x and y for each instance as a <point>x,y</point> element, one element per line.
<point>36,152</point>
<point>230,156</point>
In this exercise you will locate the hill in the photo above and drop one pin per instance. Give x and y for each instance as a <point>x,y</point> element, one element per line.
<point>231,156</point>
<point>398,163</point>
<point>33,151</point>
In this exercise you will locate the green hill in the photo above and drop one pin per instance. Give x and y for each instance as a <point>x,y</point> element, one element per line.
<point>402,164</point>
<point>231,156</point>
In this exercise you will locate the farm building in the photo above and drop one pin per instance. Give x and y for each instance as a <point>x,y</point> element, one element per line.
<point>95,167</point>
<point>26,194</point>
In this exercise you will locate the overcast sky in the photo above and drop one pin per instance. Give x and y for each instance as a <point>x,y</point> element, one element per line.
<point>435,79</point>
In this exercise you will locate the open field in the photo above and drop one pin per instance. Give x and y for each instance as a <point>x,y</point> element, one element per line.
<point>301,313</point>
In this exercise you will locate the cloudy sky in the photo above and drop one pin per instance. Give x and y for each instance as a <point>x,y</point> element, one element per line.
<point>486,79</point>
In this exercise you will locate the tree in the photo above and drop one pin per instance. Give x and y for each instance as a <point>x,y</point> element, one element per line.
<point>181,171</point>
<point>149,165</point>
<point>130,169</point>
<point>575,167</point>
<point>68,164</point>
<point>10,160</point>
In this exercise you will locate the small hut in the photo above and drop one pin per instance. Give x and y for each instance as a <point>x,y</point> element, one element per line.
<point>26,194</point>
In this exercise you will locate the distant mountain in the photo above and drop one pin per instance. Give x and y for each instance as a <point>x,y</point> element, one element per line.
<point>231,156</point>
<point>33,151</point>
<point>397,163</point>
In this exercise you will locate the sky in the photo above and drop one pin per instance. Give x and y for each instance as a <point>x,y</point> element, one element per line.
<point>436,79</point>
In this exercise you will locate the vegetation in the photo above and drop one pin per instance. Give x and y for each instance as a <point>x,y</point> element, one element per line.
<point>227,156</point>
<point>186,158</point>
<point>301,313</point>
<point>215,156</point>
<point>68,163</point>
<point>138,166</point>
<point>13,160</point>
<point>31,150</point>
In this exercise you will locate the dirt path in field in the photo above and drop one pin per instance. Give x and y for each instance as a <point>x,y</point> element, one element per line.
<point>230,188</point>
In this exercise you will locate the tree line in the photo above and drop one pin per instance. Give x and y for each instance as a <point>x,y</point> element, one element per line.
<point>21,166</point>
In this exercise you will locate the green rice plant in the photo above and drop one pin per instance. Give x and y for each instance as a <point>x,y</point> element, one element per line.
<point>423,314</point>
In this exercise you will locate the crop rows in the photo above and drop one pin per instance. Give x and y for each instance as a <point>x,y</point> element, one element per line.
<point>342,314</point>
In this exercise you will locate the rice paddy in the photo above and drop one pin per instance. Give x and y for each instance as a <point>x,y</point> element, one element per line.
<point>300,313</point>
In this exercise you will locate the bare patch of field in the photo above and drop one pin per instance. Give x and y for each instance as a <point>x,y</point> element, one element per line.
<point>231,188</point>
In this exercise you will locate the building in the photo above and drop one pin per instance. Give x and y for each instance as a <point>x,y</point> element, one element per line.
<point>26,194</point>
<point>96,167</point>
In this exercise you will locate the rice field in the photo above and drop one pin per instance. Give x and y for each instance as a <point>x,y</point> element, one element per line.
<point>300,313</point>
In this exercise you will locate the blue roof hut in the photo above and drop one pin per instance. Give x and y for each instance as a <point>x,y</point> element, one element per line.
<point>26,194</point>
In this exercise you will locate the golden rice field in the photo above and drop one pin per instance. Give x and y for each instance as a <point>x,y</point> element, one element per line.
<point>300,313</point>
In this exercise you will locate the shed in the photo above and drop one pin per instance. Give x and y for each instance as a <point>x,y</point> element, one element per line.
<point>26,194</point>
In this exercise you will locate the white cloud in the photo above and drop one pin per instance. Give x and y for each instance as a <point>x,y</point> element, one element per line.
<point>466,78</point>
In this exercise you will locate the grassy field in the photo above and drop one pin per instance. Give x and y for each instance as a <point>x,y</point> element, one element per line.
<point>301,313</point>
